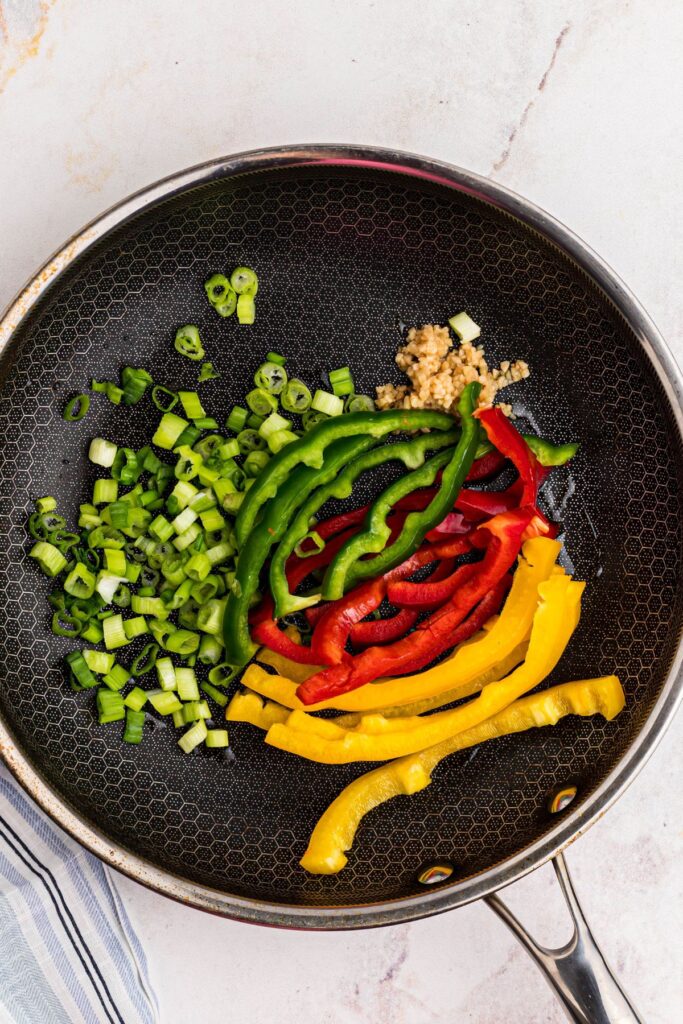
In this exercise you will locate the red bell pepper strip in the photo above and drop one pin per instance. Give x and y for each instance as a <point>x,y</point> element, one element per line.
<point>454,522</point>
<point>427,594</point>
<point>384,631</point>
<point>336,524</point>
<point>509,442</point>
<point>333,628</point>
<point>486,466</point>
<point>270,635</point>
<point>436,634</point>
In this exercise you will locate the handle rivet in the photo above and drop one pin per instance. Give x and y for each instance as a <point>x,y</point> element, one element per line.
<point>435,873</point>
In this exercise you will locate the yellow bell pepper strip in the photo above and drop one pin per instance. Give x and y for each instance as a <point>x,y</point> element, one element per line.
<point>467,663</point>
<point>419,707</point>
<point>379,739</point>
<point>250,708</point>
<point>294,671</point>
<point>335,831</point>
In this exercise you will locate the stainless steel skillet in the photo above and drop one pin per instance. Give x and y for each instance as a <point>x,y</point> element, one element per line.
<point>349,242</point>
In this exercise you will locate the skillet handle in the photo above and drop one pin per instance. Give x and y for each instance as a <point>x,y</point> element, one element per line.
<point>577,972</point>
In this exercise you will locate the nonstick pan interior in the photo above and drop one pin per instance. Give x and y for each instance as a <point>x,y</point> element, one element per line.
<point>344,256</point>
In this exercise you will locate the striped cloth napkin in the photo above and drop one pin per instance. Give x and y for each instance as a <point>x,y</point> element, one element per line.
<point>68,952</point>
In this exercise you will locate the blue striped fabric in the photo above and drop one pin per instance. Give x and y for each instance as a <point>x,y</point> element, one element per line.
<point>68,952</point>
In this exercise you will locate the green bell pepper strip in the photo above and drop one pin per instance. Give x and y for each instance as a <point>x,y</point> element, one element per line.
<point>346,568</point>
<point>412,453</point>
<point>547,453</point>
<point>277,515</point>
<point>310,450</point>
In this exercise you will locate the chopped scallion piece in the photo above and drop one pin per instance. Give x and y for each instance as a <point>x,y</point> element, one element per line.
<point>188,343</point>
<point>191,404</point>
<point>137,626</point>
<point>164,398</point>
<point>237,419</point>
<point>296,397</point>
<point>136,699</point>
<point>114,633</point>
<point>244,281</point>
<point>135,721</point>
<point>216,738</point>
<point>329,404</point>
<point>110,706</point>
<point>163,701</point>
<point>117,678</point>
<point>195,735</point>
<point>49,558</point>
<point>169,430</point>
<point>102,452</point>
<point>99,662</point>
<point>359,403</point>
<point>186,684</point>
<point>207,372</point>
<point>272,377</point>
<point>76,408</point>
<point>465,328</point>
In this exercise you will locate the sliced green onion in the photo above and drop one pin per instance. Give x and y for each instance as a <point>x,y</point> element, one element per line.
<point>104,491</point>
<point>221,675</point>
<point>169,430</point>
<point>189,436</point>
<point>47,504</point>
<point>92,633</point>
<point>323,401</point>
<point>196,710</point>
<point>311,418</point>
<point>261,402</point>
<point>114,633</point>
<point>212,518</point>
<point>296,397</point>
<point>76,408</point>
<point>163,701</point>
<point>182,494</point>
<point>184,520</point>
<point>279,439</point>
<point>181,595</point>
<point>99,662</point>
<point>195,735</point>
<point>220,552</point>
<point>188,464</point>
<point>102,452</point>
<point>216,738</point>
<point>186,684</point>
<point>107,584</point>
<point>145,660</point>
<point>342,387</point>
<point>182,642</point>
<point>126,468</point>
<point>206,423</point>
<point>210,617</point>
<point>216,288</point>
<point>198,566</point>
<point>272,377</point>
<point>164,398</point>
<point>136,699</point>
<point>210,650</point>
<point>273,423</point>
<point>188,343</point>
<point>203,501</point>
<point>178,719</point>
<point>49,558</point>
<point>113,392</point>
<point>137,626</point>
<point>237,419</point>
<point>275,357</point>
<point>166,674</point>
<point>148,606</point>
<point>135,721</point>
<point>207,372</point>
<point>220,698</point>
<point>465,328</point>
<point>244,281</point>
<point>118,514</point>
<point>115,561</point>
<point>80,582</point>
<point>64,624</point>
<point>191,404</point>
<point>359,403</point>
<point>80,669</point>
<point>135,383</point>
<point>204,590</point>
<point>160,528</point>
<point>253,464</point>
<point>116,678</point>
<point>109,706</point>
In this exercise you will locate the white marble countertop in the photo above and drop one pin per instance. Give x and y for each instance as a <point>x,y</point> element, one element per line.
<point>572,104</point>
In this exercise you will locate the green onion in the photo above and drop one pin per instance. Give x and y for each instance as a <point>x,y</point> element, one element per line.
<point>212,518</point>
<point>220,698</point>
<point>216,738</point>
<point>210,650</point>
<point>359,403</point>
<point>47,504</point>
<point>169,430</point>
<point>160,528</point>
<point>253,464</point>
<point>135,383</point>
<point>115,561</point>
<point>109,706</point>
<point>206,423</point>
<point>191,404</point>
<point>195,735</point>
<point>114,633</point>
<point>122,598</point>
<point>102,452</point>
<point>272,377</point>
<point>198,566</point>
<point>207,372</point>
<point>272,424</point>
<point>64,624</point>
<point>464,327</point>
<point>118,514</point>
<point>195,710</point>
<point>279,439</point>
<point>145,660</point>
<point>80,582</point>
<point>182,642</point>
<point>222,674</point>
<point>164,398</point>
<point>227,306</point>
<point>107,584</point>
<point>188,463</point>
<point>189,436</point>
<point>275,357</point>
<point>135,721</point>
<point>217,288</point>
<point>261,402</point>
<point>99,662</point>
<point>244,281</point>
<point>137,626</point>
<point>148,606</point>
<point>188,343</point>
<point>166,674</point>
<point>48,557</point>
<point>203,501</point>
<point>184,519</point>
<point>136,699</point>
<point>237,419</point>
<point>92,633</point>
<point>80,669</point>
<point>76,408</point>
<point>105,491</point>
<point>250,441</point>
<point>186,684</point>
<point>323,401</point>
<point>181,596</point>
<point>113,392</point>
<point>210,617</point>
<point>117,678</point>
<point>163,701</point>
<point>182,494</point>
<point>126,468</point>
<point>296,397</point>
<point>220,552</point>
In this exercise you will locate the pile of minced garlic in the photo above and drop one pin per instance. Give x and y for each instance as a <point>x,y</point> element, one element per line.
<point>439,373</point>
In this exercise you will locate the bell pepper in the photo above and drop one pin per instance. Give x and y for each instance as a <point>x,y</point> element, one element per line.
<point>335,831</point>
<point>412,453</point>
<point>295,670</point>
<point>310,450</point>
<point>466,664</point>
<point>436,634</point>
<point>486,465</point>
<point>510,443</point>
<point>384,631</point>
<point>250,708</point>
<point>348,567</point>
<point>255,550</point>
<point>376,738</point>
<point>332,630</point>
